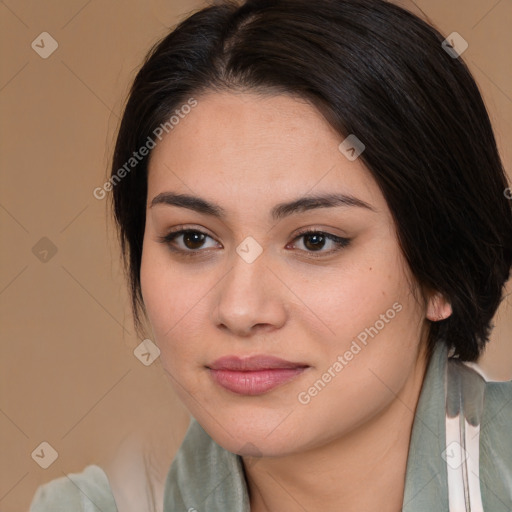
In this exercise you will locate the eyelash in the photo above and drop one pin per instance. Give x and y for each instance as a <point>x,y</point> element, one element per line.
<point>339,241</point>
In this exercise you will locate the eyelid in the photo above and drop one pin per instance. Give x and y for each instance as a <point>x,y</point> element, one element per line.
<point>325,231</point>
<point>341,242</point>
<point>184,227</point>
<point>180,230</point>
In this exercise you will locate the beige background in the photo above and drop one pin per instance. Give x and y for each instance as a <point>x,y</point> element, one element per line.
<point>68,373</point>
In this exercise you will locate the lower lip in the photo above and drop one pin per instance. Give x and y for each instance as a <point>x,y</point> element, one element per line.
<point>254,382</point>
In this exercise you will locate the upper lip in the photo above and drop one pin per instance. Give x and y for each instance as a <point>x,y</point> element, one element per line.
<point>253,363</point>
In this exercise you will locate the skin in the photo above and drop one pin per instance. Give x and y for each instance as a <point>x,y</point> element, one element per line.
<point>246,153</point>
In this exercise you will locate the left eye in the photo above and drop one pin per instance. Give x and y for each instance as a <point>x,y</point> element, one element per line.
<point>315,241</point>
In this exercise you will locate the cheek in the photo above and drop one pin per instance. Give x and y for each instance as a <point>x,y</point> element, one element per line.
<point>159,286</point>
<point>175,302</point>
<point>166,289</point>
<point>153,276</point>
<point>364,371</point>
<point>351,297</point>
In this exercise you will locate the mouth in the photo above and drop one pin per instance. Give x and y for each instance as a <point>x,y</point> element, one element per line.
<point>254,375</point>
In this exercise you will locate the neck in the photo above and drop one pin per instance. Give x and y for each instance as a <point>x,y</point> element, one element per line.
<point>363,470</point>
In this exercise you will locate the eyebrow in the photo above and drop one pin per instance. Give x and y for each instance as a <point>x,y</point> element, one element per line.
<point>278,212</point>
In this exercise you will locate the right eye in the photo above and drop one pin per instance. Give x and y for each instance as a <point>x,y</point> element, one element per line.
<point>186,241</point>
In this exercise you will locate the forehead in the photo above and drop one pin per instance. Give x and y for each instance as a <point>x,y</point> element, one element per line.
<point>252,146</point>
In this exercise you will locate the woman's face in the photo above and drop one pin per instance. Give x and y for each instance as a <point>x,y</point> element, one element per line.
<point>337,304</point>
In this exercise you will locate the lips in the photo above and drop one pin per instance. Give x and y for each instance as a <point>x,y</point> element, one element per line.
<point>253,363</point>
<point>253,375</point>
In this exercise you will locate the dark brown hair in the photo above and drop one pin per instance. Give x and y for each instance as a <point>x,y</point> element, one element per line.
<point>374,70</point>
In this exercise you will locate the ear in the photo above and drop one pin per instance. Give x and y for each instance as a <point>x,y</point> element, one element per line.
<point>438,307</point>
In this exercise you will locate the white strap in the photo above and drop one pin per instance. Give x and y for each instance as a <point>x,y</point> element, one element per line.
<point>462,455</point>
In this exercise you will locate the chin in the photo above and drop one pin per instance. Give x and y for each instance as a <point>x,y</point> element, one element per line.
<point>253,435</point>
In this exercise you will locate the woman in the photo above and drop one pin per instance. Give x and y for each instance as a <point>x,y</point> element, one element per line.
<point>311,206</point>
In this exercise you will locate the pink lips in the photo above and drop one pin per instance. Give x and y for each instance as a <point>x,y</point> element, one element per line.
<point>253,375</point>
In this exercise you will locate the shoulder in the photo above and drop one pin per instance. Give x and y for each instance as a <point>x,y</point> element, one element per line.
<point>496,445</point>
<point>87,491</point>
<point>495,429</point>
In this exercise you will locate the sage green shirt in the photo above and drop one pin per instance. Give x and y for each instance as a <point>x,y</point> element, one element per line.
<point>204,477</point>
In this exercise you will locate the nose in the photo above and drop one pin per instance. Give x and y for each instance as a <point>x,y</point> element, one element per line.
<point>250,298</point>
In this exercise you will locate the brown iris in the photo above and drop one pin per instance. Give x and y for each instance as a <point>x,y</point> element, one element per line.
<point>318,241</point>
<point>193,239</point>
